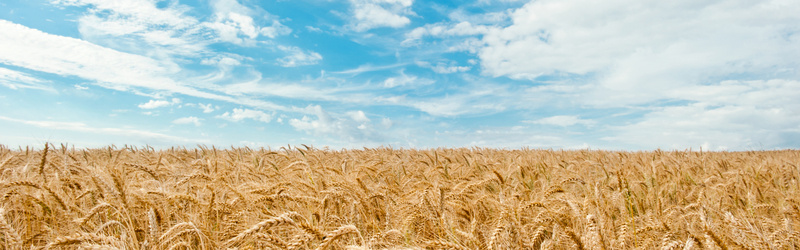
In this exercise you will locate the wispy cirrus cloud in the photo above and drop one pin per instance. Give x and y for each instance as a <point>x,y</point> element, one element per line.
<point>129,133</point>
<point>298,57</point>
<point>562,120</point>
<point>17,80</point>
<point>66,56</point>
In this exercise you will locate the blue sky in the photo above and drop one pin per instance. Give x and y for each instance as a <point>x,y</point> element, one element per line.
<point>617,74</point>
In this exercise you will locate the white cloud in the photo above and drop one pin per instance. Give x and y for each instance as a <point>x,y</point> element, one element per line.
<point>17,80</point>
<point>358,116</point>
<point>387,123</point>
<point>288,90</point>
<point>140,27</point>
<point>234,23</point>
<point>275,30</point>
<point>392,82</point>
<point>36,50</point>
<point>370,14</point>
<point>354,126</point>
<point>207,108</point>
<point>715,128</point>
<point>563,121</point>
<point>405,80</point>
<point>313,29</point>
<point>153,104</point>
<point>369,68</point>
<point>441,30</point>
<point>240,114</point>
<point>444,68</point>
<point>739,115</point>
<point>144,10</point>
<point>188,120</point>
<point>33,49</point>
<point>473,99</point>
<point>224,61</point>
<point>143,27</point>
<point>639,49</point>
<point>298,57</point>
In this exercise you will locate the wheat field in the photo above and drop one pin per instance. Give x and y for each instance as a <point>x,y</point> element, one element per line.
<point>469,198</point>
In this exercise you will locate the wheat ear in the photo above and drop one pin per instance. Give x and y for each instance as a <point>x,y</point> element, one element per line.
<point>92,212</point>
<point>282,219</point>
<point>338,233</point>
<point>12,237</point>
<point>81,238</point>
<point>439,244</point>
<point>178,230</point>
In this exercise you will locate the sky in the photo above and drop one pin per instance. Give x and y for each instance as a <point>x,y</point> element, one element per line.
<point>560,74</point>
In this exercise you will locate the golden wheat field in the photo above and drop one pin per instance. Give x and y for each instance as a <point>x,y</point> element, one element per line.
<point>468,198</point>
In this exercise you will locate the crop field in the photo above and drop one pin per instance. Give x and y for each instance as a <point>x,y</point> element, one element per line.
<point>59,197</point>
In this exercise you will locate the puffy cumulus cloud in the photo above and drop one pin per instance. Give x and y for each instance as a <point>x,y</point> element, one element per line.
<point>234,23</point>
<point>353,126</point>
<point>275,30</point>
<point>153,104</point>
<point>370,14</point>
<point>188,120</point>
<point>298,57</point>
<point>637,46</point>
<point>358,116</point>
<point>563,121</point>
<point>387,123</point>
<point>208,108</point>
<point>240,114</point>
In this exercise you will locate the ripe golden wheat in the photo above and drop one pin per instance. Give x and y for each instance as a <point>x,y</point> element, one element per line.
<point>383,198</point>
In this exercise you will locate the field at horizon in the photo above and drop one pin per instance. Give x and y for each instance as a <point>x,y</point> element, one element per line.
<point>58,197</point>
